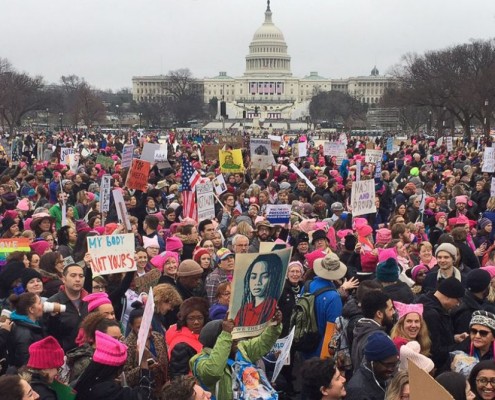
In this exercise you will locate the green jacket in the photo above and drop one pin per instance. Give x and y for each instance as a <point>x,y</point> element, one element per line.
<point>212,369</point>
<point>56,212</point>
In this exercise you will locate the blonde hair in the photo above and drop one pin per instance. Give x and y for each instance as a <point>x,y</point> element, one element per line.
<point>396,385</point>
<point>490,205</point>
<point>244,228</point>
<point>166,293</point>
<point>423,337</point>
<point>425,244</point>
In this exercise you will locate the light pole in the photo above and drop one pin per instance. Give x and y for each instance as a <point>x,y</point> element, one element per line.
<point>47,110</point>
<point>61,120</point>
<point>487,119</point>
<point>140,116</point>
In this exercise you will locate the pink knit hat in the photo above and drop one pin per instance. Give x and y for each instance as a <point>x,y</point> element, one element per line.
<point>364,230</point>
<point>383,236</point>
<point>159,215</point>
<point>159,260</point>
<point>313,256</point>
<point>23,205</point>
<point>109,351</point>
<point>46,354</point>
<point>359,222</point>
<point>404,309</point>
<point>385,254</point>
<point>95,300</point>
<point>40,247</point>
<point>150,242</point>
<point>174,244</point>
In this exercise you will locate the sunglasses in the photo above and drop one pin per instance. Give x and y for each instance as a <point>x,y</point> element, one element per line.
<point>482,332</point>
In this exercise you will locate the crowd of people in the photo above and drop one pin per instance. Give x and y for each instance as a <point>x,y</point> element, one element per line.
<point>412,282</point>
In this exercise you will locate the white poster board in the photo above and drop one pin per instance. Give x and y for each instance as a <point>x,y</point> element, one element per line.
<point>261,153</point>
<point>205,200</point>
<point>373,156</point>
<point>64,154</point>
<point>283,347</point>
<point>489,160</point>
<point>302,149</point>
<point>127,153</point>
<point>449,142</point>
<point>122,213</point>
<point>105,193</point>
<point>363,197</point>
<point>149,310</point>
<point>112,254</point>
<point>161,155</point>
<point>492,188</point>
<point>219,184</point>
<point>335,149</point>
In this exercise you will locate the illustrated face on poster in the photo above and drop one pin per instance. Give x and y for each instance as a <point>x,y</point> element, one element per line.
<point>257,285</point>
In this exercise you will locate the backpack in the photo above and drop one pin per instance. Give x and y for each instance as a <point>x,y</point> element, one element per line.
<point>249,381</point>
<point>303,319</point>
<point>339,345</point>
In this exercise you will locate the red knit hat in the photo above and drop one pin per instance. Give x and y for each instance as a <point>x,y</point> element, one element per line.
<point>109,351</point>
<point>199,253</point>
<point>46,354</point>
<point>95,300</point>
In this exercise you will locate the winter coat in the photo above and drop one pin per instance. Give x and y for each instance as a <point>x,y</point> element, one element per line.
<point>461,316</point>
<point>353,313</point>
<point>219,311</point>
<point>78,360</point>
<point>22,335</point>
<point>364,328</point>
<point>286,304</point>
<point>399,291</point>
<point>441,330</point>
<point>182,345</point>
<point>363,386</point>
<point>65,326</point>
<point>51,283</point>
<point>160,372</point>
<point>210,366</point>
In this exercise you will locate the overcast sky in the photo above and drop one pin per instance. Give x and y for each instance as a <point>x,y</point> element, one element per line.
<point>109,41</point>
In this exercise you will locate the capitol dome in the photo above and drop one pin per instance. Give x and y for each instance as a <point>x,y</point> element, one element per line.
<point>268,51</point>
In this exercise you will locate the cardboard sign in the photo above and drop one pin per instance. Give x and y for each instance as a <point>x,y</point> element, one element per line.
<point>122,213</point>
<point>233,141</point>
<point>111,254</point>
<point>373,156</point>
<point>219,185</point>
<point>329,331</point>
<point>64,154</point>
<point>488,160</point>
<point>211,151</point>
<point>106,162</point>
<point>144,329</point>
<point>105,193</point>
<point>302,176</point>
<point>278,214</point>
<point>273,267</point>
<point>147,281</point>
<point>422,386</point>
<point>205,201</point>
<point>363,197</point>
<point>127,153</point>
<point>138,175</point>
<point>231,161</point>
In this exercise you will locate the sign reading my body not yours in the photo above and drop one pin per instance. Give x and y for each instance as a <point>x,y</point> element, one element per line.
<point>112,254</point>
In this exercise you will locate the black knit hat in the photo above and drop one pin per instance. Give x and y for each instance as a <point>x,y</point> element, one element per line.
<point>451,288</point>
<point>28,274</point>
<point>478,280</point>
<point>302,238</point>
<point>210,332</point>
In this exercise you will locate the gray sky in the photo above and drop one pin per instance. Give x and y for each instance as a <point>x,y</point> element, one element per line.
<point>109,41</point>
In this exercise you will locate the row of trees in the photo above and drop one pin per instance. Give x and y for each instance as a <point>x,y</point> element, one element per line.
<point>442,87</point>
<point>76,101</point>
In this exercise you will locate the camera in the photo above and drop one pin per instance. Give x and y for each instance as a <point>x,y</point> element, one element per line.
<point>54,307</point>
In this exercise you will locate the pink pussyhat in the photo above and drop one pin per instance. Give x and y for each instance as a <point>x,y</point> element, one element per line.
<point>95,300</point>
<point>359,222</point>
<point>109,351</point>
<point>385,254</point>
<point>404,309</point>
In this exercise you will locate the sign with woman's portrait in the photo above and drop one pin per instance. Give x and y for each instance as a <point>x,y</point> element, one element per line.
<point>256,287</point>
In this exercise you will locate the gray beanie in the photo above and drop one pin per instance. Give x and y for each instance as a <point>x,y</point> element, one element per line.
<point>449,248</point>
<point>210,332</point>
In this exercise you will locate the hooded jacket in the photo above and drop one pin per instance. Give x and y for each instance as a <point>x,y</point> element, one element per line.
<point>364,328</point>
<point>363,386</point>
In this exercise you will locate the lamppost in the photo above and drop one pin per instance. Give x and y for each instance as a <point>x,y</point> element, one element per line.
<point>443,121</point>
<point>429,122</point>
<point>140,116</point>
<point>47,110</point>
<point>61,120</point>
<point>487,119</point>
<point>118,116</point>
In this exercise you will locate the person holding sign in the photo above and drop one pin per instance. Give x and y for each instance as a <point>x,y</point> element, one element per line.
<point>261,288</point>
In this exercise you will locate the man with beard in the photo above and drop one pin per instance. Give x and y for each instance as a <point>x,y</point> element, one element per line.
<point>401,232</point>
<point>264,234</point>
<point>437,308</point>
<point>378,316</point>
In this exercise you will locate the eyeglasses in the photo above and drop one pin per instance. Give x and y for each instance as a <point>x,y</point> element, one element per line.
<point>225,294</point>
<point>99,288</point>
<point>482,332</point>
<point>485,381</point>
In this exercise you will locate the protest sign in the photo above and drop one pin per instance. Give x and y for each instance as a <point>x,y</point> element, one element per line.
<point>73,162</point>
<point>281,352</point>
<point>264,274</point>
<point>278,214</point>
<point>148,280</point>
<point>138,175</point>
<point>161,155</point>
<point>302,176</point>
<point>105,193</point>
<point>219,184</point>
<point>390,145</point>
<point>373,156</point>
<point>111,254</point>
<point>85,153</point>
<point>205,201</point>
<point>105,161</point>
<point>275,142</point>
<point>148,152</point>
<point>423,386</point>
<point>440,142</point>
<point>261,153</point>
<point>127,153</point>
<point>211,151</point>
<point>343,139</point>
<point>8,246</point>
<point>64,214</point>
<point>492,188</point>
<point>235,142</point>
<point>335,149</point>
<point>144,329</point>
<point>122,213</point>
<point>358,170</point>
<point>449,142</point>
<point>329,331</point>
<point>299,150</point>
<point>231,161</point>
<point>363,197</point>
<point>64,154</point>
<point>488,160</point>
<point>378,171</point>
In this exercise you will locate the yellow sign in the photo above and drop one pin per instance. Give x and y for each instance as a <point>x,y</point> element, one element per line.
<point>231,160</point>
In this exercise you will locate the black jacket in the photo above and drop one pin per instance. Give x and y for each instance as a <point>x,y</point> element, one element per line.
<point>286,304</point>
<point>179,360</point>
<point>22,335</point>
<point>353,313</point>
<point>441,330</point>
<point>399,291</point>
<point>42,388</point>
<point>65,326</point>
<point>462,315</point>
<point>363,386</point>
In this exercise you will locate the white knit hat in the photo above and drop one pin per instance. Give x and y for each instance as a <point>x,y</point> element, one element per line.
<point>411,351</point>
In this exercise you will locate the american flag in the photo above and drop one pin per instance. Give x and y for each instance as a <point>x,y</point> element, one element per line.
<point>190,177</point>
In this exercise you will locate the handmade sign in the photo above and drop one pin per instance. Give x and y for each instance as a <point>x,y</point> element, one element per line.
<point>373,156</point>
<point>282,351</point>
<point>423,386</point>
<point>231,161</point>
<point>358,170</point>
<point>122,213</point>
<point>73,161</point>
<point>106,162</point>
<point>8,246</point>
<point>161,155</point>
<point>236,142</point>
<point>138,175</point>
<point>148,280</point>
<point>256,287</point>
<point>105,193</point>
<point>335,149</point>
<point>111,254</point>
<point>64,154</point>
<point>275,142</point>
<point>219,185</point>
<point>278,214</point>
<point>390,145</point>
<point>261,153</point>
<point>449,142</point>
<point>144,329</point>
<point>488,160</point>
<point>127,153</point>
<point>363,197</point>
<point>299,149</point>
<point>205,200</point>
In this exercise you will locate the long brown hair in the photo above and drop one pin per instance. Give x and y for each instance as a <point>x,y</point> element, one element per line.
<point>423,337</point>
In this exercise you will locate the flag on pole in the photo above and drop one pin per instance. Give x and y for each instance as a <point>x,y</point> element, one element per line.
<point>190,177</point>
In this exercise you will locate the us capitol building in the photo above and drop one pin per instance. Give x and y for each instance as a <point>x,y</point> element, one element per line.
<point>267,89</point>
